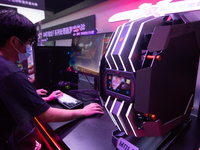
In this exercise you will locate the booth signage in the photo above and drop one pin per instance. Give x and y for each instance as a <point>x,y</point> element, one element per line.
<point>64,31</point>
<point>35,4</point>
<point>160,9</point>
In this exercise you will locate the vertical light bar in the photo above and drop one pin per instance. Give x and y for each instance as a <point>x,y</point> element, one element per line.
<point>128,112</point>
<point>134,45</point>
<point>115,46</point>
<point>109,48</point>
<point>118,113</point>
<point>111,109</point>
<point>111,116</point>
<point>124,44</point>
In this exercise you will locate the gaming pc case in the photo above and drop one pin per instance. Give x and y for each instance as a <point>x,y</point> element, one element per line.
<point>150,79</point>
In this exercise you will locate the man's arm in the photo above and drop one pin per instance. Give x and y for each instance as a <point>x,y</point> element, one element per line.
<point>59,115</point>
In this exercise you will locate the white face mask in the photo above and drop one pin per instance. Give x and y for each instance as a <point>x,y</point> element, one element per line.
<point>24,56</point>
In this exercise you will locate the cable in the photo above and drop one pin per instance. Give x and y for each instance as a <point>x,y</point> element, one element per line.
<point>89,81</point>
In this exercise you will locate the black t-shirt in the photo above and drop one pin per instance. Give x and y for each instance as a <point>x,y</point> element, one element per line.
<point>19,101</point>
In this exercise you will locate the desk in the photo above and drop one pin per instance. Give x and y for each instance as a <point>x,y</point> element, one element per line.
<point>95,133</point>
<point>91,133</point>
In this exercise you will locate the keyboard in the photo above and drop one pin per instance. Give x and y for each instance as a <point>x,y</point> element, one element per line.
<point>69,102</point>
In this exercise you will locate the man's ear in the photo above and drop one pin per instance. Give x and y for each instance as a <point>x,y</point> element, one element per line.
<point>12,40</point>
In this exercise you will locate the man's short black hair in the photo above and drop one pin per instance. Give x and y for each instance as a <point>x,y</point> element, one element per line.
<point>15,24</point>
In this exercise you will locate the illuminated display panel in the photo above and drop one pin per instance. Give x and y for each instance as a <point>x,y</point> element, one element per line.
<point>87,52</point>
<point>119,84</point>
<point>34,11</point>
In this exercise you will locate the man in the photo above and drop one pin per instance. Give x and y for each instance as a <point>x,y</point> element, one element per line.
<point>19,101</point>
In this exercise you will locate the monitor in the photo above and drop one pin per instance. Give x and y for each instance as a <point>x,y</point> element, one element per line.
<point>87,51</point>
<point>120,84</point>
<point>50,65</point>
